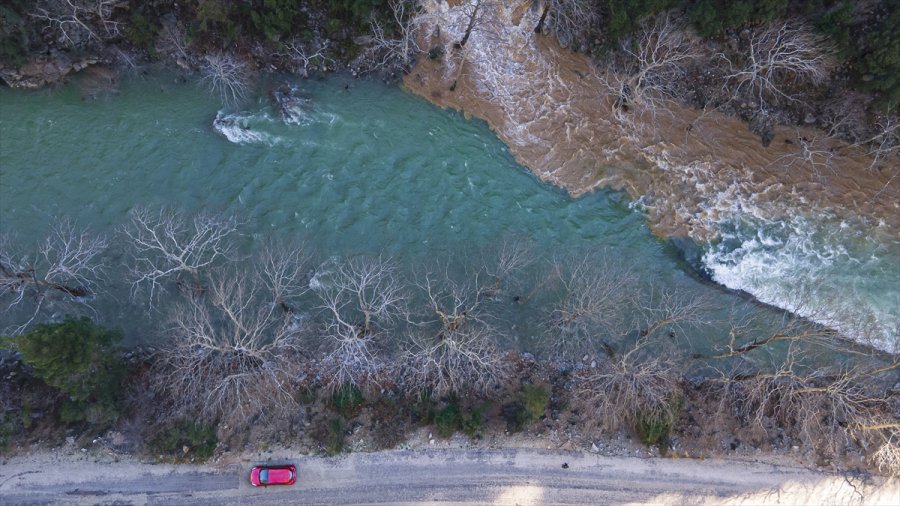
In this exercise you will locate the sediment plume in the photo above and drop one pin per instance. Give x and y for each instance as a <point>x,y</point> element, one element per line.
<point>689,169</point>
<point>697,174</point>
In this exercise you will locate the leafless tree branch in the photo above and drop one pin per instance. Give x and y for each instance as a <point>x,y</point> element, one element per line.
<point>227,76</point>
<point>79,22</point>
<point>233,351</point>
<point>361,297</point>
<point>593,296</point>
<point>66,268</point>
<point>452,348</point>
<point>775,55</point>
<point>644,74</point>
<point>571,21</point>
<point>630,386</point>
<point>165,246</point>
<point>400,47</point>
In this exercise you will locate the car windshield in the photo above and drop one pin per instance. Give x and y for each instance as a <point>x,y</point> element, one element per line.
<point>264,476</point>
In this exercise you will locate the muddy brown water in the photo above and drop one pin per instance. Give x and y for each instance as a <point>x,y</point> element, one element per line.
<point>697,175</point>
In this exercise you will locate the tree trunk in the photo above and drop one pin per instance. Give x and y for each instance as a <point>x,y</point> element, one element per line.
<point>469,28</point>
<point>540,26</point>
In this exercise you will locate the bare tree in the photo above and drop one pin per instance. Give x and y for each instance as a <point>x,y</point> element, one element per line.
<point>473,19</point>
<point>455,362</point>
<point>361,297</point>
<point>305,57</point>
<point>227,76</point>
<point>632,386</point>
<point>79,22</point>
<point>845,116</point>
<point>749,330</point>
<point>675,310</point>
<point>284,268</point>
<point>826,404</point>
<point>569,20</point>
<point>385,51</point>
<point>234,351</point>
<point>775,55</point>
<point>887,456</point>
<point>173,41</point>
<point>593,296</point>
<point>885,144</point>
<point>645,73</point>
<point>452,348</point>
<point>810,155</point>
<point>167,247</point>
<point>505,264</point>
<point>827,408</point>
<point>67,268</point>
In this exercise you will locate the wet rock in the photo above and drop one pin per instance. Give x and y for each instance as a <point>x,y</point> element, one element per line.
<point>290,103</point>
<point>44,71</point>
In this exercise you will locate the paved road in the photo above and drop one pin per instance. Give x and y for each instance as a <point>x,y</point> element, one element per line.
<point>439,477</point>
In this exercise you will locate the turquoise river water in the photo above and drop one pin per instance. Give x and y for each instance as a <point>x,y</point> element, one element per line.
<point>361,168</point>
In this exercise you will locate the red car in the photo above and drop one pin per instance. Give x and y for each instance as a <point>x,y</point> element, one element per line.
<point>263,476</point>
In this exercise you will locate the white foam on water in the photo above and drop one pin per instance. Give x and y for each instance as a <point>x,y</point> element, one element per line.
<point>820,270</point>
<point>826,267</point>
<point>319,281</point>
<point>242,128</point>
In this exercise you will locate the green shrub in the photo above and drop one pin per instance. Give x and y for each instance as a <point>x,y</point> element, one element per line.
<point>704,17</point>
<point>200,440</point>
<point>80,359</point>
<point>535,399</point>
<point>355,12</point>
<point>711,18</point>
<point>835,23</point>
<point>347,400</point>
<point>141,33</point>
<point>274,18</point>
<point>333,26</point>
<point>473,421</point>
<point>448,420</point>
<point>625,16</point>
<point>530,406</point>
<point>7,431</point>
<point>13,33</point>
<point>335,443</point>
<point>653,428</point>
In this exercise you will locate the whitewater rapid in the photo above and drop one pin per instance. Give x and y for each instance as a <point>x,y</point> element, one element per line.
<point>820,241</point>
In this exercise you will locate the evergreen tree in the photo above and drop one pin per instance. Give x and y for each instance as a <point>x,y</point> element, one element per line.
<point>80,359</point>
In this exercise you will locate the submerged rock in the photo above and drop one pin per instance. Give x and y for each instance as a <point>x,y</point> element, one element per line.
<point>290,102</point>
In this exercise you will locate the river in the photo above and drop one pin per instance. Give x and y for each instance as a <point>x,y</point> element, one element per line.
<point>361,168</point>
<point>806,223</point>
